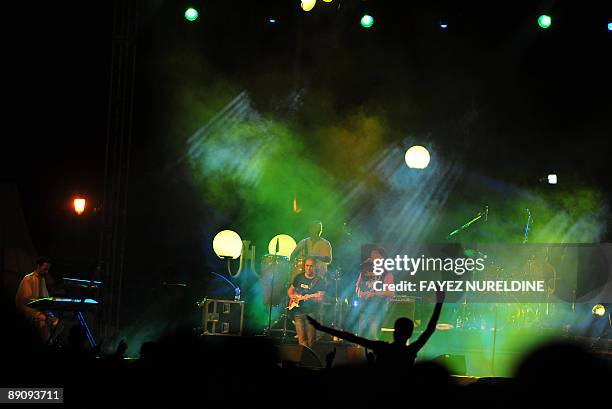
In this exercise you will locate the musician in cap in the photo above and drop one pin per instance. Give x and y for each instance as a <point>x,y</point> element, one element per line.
<point>305,296</point>
<point>32,287</point>
<point>316,247</point>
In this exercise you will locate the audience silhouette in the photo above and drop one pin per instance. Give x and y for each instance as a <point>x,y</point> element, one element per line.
<point>397,353</point>
<point>240,370</point>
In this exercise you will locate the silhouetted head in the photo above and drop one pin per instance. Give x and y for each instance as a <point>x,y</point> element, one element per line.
<point>149,350</point>
<point>42,265</point>
<point>403,330</point>
<point>315,229</point>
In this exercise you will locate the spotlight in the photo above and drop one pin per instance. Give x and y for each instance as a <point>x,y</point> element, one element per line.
<point>544,21</point>
<point>272,20</point>
<point>417,157</point>
<point>552,179</point>
<point>609,26</point>
<point>599,310</point>
<point>367,21</point>
<point>191,14</point>
<point>443,26</point>
<point>308,5</point>
<point>227,244</point>
<point>78,204</point>
<point>281,245</point>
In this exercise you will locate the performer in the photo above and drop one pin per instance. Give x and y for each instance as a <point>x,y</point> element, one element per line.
<point>32,287</point>
<point>316,247</point>
<point>306,290</point>
<point>373,304</point>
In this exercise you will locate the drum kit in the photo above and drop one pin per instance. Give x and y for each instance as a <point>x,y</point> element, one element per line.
<point>506,308</point>
<point>476,312</point>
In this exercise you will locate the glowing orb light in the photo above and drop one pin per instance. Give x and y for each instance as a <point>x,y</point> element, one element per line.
<point>417,157</point>
<point>227,244</point>
<point>599,310</point>
<point>286,245</point>
<point>308,5</point>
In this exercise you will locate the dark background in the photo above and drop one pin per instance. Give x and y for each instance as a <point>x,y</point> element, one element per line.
<point>514,102</point>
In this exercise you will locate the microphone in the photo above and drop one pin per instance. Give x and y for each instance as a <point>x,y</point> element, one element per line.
<point>366,261</point>
<point>277,245</point>
<point>486,213</point>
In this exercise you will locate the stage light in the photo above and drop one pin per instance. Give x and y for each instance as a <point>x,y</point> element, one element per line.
<point>552,179</point>
<point>417,157</point>
<point>272,20</point>
<point>544,21</point>
<point>227,244</point>
<point>356,303</point>
<point>78,204</point>
<point>308,5</point>
<point>367,21</point>
<point>282,245</point>
<point>327,1</point>
<point>609,26</point>
<point>599,310</point>
<point>443,26</point>
<point>191,14</point>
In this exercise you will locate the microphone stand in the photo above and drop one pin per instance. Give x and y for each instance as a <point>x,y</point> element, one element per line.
<point>527,226</point>
<point>478,216</point>
<point>274,272</point>
<point>284,316</point>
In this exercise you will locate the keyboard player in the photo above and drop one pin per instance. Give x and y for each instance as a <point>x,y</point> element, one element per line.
<point>33,287</point>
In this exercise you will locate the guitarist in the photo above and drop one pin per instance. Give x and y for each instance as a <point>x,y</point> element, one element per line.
<point>373,304</point>
<point>307,290</point>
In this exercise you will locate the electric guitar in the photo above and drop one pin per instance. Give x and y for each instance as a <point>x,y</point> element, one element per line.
<point>294,302</point>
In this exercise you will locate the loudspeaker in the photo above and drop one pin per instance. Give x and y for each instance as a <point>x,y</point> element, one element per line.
<point>298,355</point>
<point>399,307</point>
<point>454,363</point>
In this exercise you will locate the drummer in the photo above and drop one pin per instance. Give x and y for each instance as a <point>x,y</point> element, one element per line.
<point>316,247</point>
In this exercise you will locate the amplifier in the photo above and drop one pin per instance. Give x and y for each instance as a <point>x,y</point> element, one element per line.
<point>398,307</point>
<point>221,317</point>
